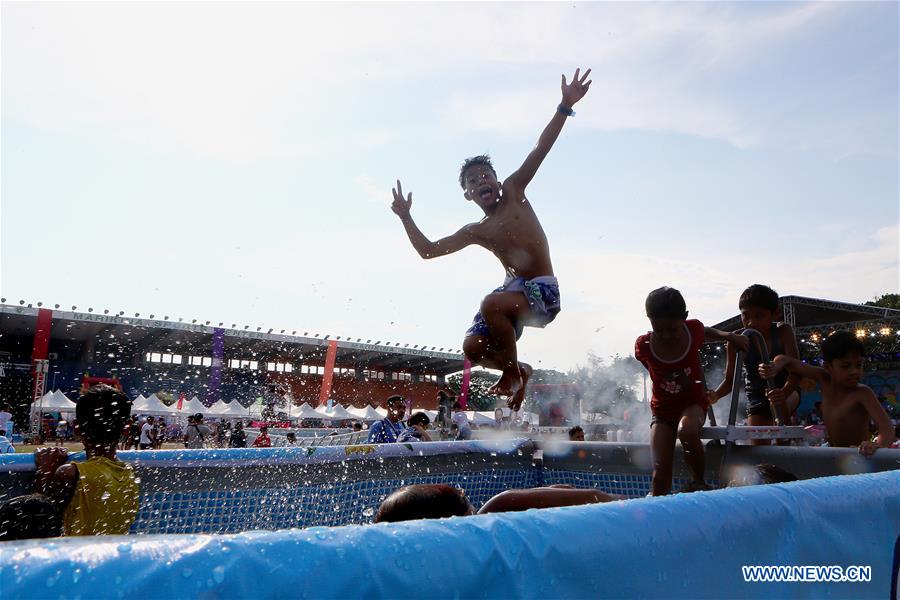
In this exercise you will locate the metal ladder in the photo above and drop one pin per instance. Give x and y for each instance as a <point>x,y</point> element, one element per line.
<point>732,432</point>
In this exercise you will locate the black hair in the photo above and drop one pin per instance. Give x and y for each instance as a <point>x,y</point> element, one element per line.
<point>394,399</point>
<point>840,344</point>
<point>665,303</point>
<point>423,501</point>
<point>457,405</point>
<point>481,159</point>
<point>27,517</point>
<point>454,426</point>
<point>759,295</point>
<point>419,418</point>
<point>575,430</point>
<point>762,474</point>
<point>101,413</point>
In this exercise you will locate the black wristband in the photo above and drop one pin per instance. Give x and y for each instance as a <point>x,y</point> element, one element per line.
<point>565,110</point>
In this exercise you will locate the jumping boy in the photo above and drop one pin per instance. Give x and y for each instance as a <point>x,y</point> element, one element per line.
<point>759,307</point>
<point>511,231</point>
<point>671,353</point>
<point>847,405</point>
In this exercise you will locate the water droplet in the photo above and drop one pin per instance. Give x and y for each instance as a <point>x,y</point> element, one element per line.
<point>218,574</point>
<point>186,572</point>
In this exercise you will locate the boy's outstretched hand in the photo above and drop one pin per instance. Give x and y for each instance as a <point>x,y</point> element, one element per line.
<point>575,91</point>
<point>400,206</point>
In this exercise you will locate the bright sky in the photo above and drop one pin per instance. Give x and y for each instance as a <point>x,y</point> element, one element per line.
<point>233,162</point>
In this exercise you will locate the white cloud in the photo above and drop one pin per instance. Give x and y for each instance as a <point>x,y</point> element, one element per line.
<point>244,82</point>
<point>379,194</point>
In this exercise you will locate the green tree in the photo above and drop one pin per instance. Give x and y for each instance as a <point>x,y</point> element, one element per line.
<point>480,382</point>
<point>886,301</point>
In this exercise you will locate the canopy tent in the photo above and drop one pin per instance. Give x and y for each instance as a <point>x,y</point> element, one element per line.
<point>194,406</point>
<point>152,406</point>
<point>54,402</point>
<point>339,413</point>
<point>228,410</point>
<point>305,411</point>
<point>367,414</point>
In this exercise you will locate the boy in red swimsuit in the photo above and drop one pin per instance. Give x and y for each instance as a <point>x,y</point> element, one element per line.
<point>680,398</point>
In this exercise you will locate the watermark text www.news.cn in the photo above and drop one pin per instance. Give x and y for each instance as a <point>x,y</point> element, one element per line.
<point>807,573</point>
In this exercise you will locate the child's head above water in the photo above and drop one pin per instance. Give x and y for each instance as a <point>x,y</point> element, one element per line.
<point>666,310</point>
<point>424,501</point>
<point>843,353</point>
<point>758,305</point>
<point>100,415</point>
<point>761,474</point>
<point>478,179</point>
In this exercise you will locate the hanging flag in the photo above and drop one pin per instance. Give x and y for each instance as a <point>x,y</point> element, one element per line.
<point>181,398</point>
<point>464,388</point>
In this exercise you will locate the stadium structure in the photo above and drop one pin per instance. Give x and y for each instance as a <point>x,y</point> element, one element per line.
<point>47,349</point>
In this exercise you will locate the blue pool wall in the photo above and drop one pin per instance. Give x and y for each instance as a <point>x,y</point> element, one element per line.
<point>682,546</point>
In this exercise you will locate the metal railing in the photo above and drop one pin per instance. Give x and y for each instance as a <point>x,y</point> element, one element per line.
<point>733,432</point>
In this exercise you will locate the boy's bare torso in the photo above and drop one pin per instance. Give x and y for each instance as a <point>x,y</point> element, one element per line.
<point>845,415</point>
<point>514,235</point>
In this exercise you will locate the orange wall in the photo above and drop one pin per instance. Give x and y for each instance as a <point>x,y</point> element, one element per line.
<point>359,393</point>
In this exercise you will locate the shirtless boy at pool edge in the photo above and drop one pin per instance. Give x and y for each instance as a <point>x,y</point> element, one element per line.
<point>511,231</point>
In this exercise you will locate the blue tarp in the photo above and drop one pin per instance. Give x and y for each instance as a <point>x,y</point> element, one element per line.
<point>684,546</point>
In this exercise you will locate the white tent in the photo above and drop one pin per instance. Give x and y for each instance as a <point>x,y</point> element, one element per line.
<point>339,413</point>
<point>193,406</point>
<point>153,406</point>
<point>231,410</point>
<point>367,414</point>
<point>54,402</point>
<point>305,411</point>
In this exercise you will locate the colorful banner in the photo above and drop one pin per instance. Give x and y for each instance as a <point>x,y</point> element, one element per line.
<point>327,378</point>
<point>218,359</point>
<point>464,388</point>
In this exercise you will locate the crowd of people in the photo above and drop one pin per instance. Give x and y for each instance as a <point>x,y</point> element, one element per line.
<point>452,423</point>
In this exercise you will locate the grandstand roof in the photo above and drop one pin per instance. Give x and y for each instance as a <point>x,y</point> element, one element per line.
<point>809,315</point>
<point>158,335</point>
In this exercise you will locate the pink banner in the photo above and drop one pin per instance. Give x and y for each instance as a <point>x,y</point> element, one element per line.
<point>464,388</point>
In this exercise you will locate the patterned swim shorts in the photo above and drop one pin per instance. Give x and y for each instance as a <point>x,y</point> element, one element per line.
<point>542,294</point>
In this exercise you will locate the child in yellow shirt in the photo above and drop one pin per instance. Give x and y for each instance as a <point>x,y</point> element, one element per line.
<point>100,495</point>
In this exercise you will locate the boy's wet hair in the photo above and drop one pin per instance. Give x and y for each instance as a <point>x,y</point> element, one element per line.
<point>575,430</point>
<point>101,413</point>
<point>29,517</point>
<point>482,159</point>
<point>761,474</point>
<point>419,418</point>
<point>760,296</point>
<point>841,343</point>
<point>665,303</point>
<point>423,501</point>
<point>393,399</point>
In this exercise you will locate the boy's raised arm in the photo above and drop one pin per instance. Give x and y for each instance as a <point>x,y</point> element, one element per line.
<point>794,365</point>
<point>571,93</point>
<point>425,247</point>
